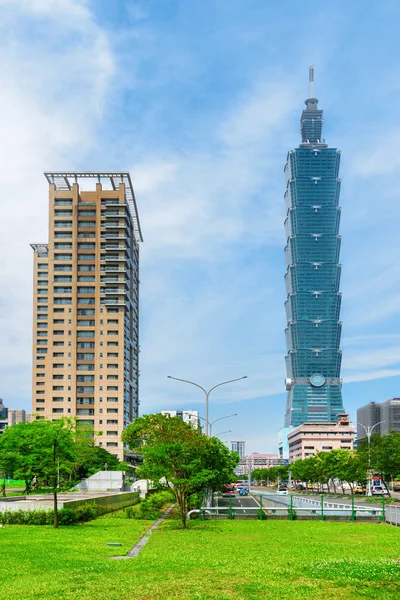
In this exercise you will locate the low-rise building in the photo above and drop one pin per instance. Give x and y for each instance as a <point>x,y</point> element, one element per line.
<point>258,461</point>
<point>309,438</point>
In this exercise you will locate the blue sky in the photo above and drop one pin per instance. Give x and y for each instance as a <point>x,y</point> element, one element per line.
<point>201,102</point>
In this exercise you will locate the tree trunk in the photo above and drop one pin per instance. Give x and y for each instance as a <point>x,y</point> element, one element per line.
<point>3,488</point>
<point>55,503</point>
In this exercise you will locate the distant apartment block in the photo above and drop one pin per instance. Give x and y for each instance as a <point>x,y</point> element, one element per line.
<point>3,416</point>
<point>188,416</point>
<point>310,438</point>
<point>239,447</point>
<point>383,417</point>
<point>18,415</point>
<point>12,416</point>
<point>86,305</point>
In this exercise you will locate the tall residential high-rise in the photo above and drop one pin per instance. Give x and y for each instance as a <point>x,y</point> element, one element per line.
<point>368,415</point>
<point>239,447</point>
<point>86,305</point>
<point>383,417</point>
<point>312,278</point>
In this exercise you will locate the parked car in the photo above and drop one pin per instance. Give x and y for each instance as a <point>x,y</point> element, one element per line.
<point>358,490</point>
<point>379,490</point>
<point>283,492</point>
<point>243,491</point>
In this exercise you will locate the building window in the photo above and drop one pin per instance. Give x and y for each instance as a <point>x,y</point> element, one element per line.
<point>58,410</point>
<point>59,212</point>
<point>112,444</point>
<point>63,224</point>
<point>62,245</point>
<point>62,268</point>
<point>86,246</point>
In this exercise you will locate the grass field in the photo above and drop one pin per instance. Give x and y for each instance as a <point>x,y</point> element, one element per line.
<point>221,560</point>
<point>15,483</point>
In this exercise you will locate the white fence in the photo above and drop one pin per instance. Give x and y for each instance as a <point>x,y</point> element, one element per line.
<point>393,515</point>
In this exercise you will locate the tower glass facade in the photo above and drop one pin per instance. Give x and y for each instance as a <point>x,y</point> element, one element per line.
<point>313,360</point>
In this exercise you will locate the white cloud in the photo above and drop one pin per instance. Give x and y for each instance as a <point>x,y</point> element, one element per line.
<point>195,203</point>
<point>49,107</point>
<point>370,375</point>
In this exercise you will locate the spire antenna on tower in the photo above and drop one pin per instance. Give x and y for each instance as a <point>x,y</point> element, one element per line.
<point>311,81</point>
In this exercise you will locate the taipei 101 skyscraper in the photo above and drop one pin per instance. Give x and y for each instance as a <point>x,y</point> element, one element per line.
<point>313,359</point>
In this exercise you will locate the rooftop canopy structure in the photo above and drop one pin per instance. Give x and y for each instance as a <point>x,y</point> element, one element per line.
<point>64,180</point>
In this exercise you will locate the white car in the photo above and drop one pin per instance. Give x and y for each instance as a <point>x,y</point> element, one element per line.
<point>283,492</point>
<point>379,490</point>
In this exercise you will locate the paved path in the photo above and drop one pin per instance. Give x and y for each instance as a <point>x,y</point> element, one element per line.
<point>145,538</point>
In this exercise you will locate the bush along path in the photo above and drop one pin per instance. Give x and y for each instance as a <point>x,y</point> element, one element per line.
<point>145,538</point>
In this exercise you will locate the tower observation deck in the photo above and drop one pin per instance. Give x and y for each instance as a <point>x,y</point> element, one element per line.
<point>313,331</point>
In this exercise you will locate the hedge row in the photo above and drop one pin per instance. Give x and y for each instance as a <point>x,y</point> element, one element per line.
<point>66,516</point>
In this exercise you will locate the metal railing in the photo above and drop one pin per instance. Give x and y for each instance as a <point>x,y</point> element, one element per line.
<point>292,507</point>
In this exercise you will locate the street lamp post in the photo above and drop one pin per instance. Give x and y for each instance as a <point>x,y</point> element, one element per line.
<point>222,433</point>
<point>368,430</point>
<point>207,392</point>
<point>209,425</point>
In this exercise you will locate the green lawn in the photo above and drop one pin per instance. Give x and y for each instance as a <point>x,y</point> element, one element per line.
<point>15,483</point>
<point>221,560</point>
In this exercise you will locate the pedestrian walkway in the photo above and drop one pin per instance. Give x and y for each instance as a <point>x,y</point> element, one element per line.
<point>145,538</point>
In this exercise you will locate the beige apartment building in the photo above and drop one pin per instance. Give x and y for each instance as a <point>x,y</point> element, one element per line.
<point>309,438</point>
<point>86,305</point>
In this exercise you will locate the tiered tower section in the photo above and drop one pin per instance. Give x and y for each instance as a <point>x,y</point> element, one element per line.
<point>312,278</point>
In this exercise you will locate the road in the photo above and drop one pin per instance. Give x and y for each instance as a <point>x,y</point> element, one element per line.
<point>247,503</point>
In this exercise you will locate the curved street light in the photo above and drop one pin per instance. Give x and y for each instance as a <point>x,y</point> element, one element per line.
<point>222,433</point>
<point>206,392</point>
<point>368,431</point>
<point>208,424</point>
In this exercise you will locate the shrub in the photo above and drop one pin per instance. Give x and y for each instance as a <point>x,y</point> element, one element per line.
<point>149,508</point>
<point>27,517</point>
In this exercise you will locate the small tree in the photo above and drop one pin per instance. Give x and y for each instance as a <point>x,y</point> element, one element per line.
<point>58,452</point>
<point>18,442</point>
<point>181,456</point>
